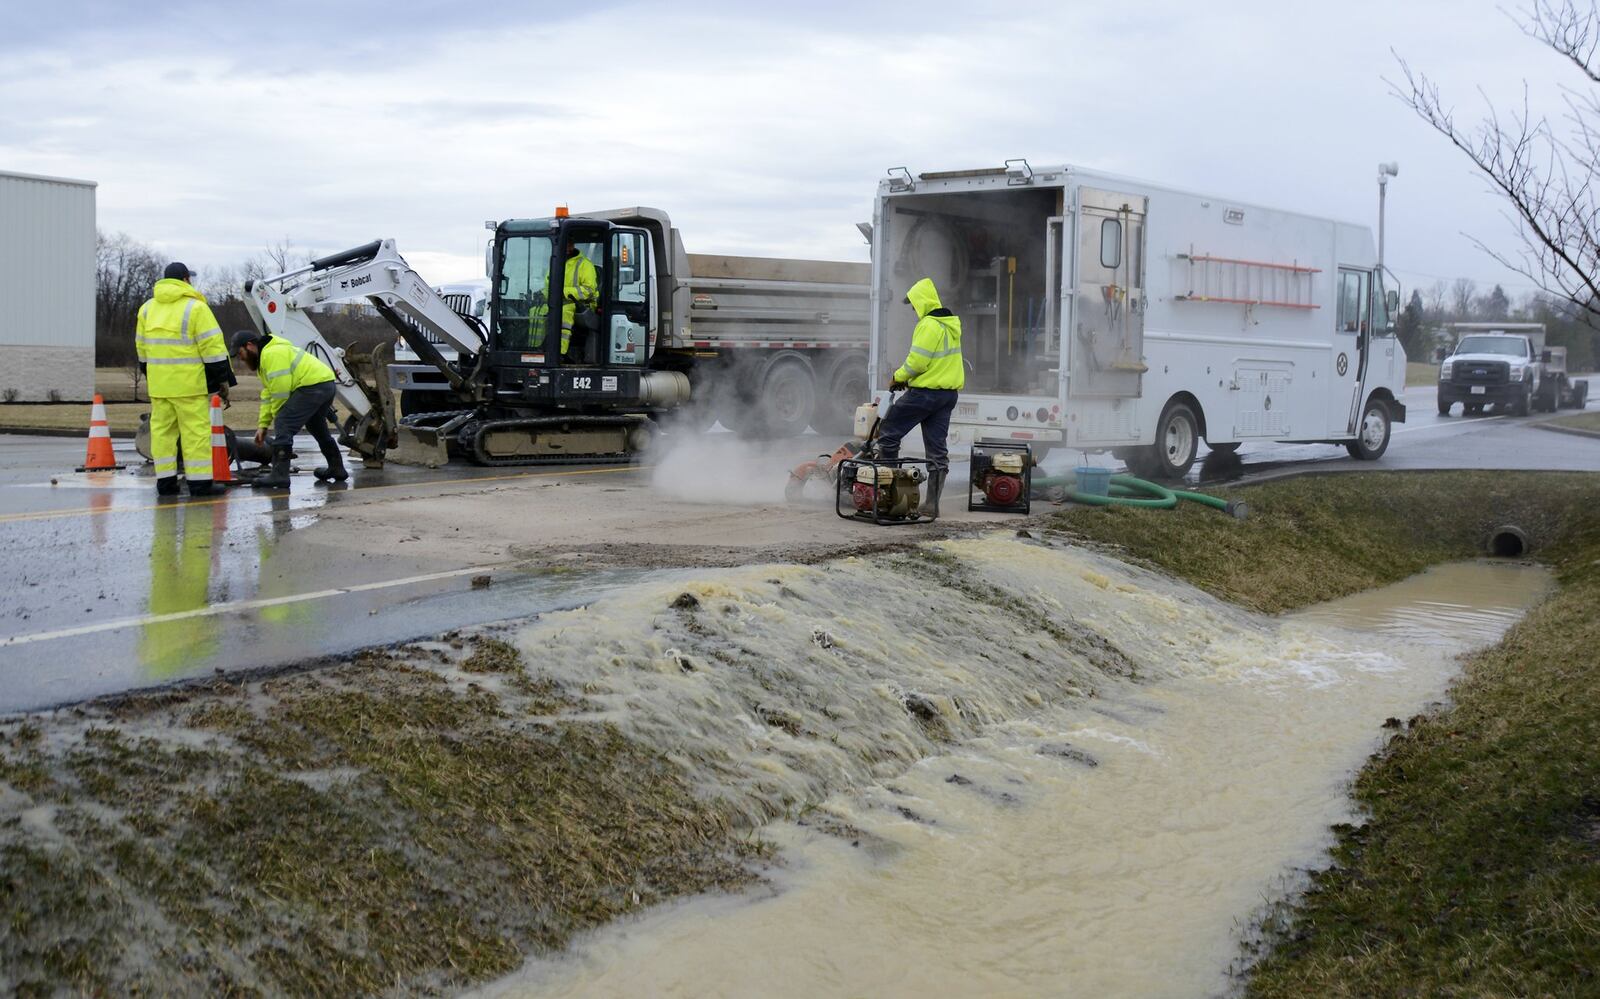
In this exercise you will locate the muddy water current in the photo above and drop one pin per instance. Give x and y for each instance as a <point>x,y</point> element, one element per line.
<point>970,803</point>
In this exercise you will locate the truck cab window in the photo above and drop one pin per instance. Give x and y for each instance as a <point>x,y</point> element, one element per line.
<point>1380,309</point>
<point>1355,301</point>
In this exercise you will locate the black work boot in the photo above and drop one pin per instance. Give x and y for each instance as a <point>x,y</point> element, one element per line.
<point>930,506</point>
<point>167,486</point>
<point>278,476</point>
<point>334,470</point>
<point>203,488</point>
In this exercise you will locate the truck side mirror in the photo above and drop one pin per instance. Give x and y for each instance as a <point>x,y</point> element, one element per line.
<point>1392,299</point>
<point>1544,357</point>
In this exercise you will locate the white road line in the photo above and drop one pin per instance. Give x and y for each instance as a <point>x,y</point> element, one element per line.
<point>237,605</point>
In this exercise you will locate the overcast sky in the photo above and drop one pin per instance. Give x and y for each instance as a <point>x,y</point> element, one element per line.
<point>216,129</point>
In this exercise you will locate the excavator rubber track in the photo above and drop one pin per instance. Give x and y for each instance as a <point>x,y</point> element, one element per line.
<point>569,438</point>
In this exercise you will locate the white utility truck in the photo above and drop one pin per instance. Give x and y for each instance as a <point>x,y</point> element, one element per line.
<point>1106,314</point>
<point>770,345</point>
<point>1508,366</point>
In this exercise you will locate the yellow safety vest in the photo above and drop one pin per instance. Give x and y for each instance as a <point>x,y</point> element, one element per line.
<point>175,338</point>
<point>284,368</point>
<point>934,361</point>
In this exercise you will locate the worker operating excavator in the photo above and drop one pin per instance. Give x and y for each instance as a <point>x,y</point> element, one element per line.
<point>580,291</point>
<point>933,376</point>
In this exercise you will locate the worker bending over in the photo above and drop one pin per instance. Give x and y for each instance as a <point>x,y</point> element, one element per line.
<point>932,377</point>
<point>296,392</point>
<point>184,358</point>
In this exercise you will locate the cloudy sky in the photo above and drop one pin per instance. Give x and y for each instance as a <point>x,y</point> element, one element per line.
<point>216,129</point>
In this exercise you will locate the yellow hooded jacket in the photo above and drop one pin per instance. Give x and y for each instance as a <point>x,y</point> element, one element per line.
<point>176,337</point>
<point>934,361</point>
<point>284,368</point>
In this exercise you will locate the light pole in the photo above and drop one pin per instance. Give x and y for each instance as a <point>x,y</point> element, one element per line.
<point>1385,171</point>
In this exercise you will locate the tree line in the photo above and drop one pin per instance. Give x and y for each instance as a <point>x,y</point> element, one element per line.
<point>1422,325</point>
<point>126,271</point>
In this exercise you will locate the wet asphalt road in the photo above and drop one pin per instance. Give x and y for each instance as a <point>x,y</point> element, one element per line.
<point>111,589</point>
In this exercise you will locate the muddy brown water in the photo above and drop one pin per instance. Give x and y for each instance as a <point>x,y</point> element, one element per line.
<point>1114,845</point>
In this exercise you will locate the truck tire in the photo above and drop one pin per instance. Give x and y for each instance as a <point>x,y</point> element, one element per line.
<point>845,389</point>
<point>1444,408</point>
<point>1523,403</point>
<point>1372,432</point>
<point>1173,453</point>
<point>784,402</point>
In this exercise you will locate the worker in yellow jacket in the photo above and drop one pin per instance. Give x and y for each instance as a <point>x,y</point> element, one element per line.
<point>932,378</point>
<point>185,359</point>
<point>297,391</point>
<point>580,288</point>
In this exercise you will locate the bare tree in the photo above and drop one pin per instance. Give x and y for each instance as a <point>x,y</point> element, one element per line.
<point>1434,298</point>
<point>1463,293</point>
<point>1546,171</point>
<point>125,272</point>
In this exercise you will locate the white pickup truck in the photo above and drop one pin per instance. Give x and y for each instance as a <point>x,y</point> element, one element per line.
<point>1494,365</point>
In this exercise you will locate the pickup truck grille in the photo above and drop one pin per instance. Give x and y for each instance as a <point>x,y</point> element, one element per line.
<point>1480,373</point>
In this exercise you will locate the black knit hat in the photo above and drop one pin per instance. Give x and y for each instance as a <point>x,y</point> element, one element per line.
<point>242,337</point>
<point>177,270</point>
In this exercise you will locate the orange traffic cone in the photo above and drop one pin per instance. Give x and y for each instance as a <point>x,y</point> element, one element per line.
<point>100,457</point>
<point>220,471</point>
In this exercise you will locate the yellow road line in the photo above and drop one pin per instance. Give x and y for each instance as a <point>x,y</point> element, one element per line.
<point>358,490</point>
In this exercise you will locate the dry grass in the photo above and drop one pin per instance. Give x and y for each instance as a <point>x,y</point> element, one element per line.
<point>121,411</point>
<point>1421,373</point>
<point>387,825</point>
<point>1583,421</point>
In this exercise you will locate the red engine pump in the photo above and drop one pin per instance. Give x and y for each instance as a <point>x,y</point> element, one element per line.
<point>1002,475</point>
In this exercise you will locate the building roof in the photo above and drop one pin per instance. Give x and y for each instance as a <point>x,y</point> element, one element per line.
<point>51,180</point>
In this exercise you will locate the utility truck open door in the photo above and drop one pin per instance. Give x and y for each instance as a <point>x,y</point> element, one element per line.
<point>1105,351</point>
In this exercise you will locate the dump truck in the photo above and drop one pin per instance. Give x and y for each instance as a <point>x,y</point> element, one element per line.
<point>1507,366</point>
<point>769,345</point>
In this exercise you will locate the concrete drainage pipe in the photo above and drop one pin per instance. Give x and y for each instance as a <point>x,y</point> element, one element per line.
<point>1509,541</point>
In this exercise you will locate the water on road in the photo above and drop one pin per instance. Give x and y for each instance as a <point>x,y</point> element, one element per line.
<point>1113,845</point>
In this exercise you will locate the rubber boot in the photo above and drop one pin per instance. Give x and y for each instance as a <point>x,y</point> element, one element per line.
<point>930,506</point>
<point>167,486</point>
<point>278,476</point>
<point>201,488</point>
<point>334,470</point>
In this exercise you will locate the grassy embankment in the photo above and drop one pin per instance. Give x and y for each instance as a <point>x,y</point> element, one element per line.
<point>409,821</point>
<point>122,412</point>
<point>1421,373</point>
<point>1582,421</point>
<point>1477,870</point>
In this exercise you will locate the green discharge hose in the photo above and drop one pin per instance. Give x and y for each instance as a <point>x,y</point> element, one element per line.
<point>1126,490</point>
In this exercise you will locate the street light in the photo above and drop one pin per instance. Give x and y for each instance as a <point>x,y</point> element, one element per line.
<point>1385,171</point>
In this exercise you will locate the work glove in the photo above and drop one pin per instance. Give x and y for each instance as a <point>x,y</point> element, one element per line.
<point>898,386</point>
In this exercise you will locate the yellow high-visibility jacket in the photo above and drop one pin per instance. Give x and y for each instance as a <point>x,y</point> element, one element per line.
<point>579,286</point>
<point>934,361</point>
<point>284,368</point>
<point>175,338</point>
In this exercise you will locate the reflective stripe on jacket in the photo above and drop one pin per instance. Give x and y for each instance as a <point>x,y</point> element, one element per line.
<point>176,337</point>
<point>284,368</point>
<point>934,361</point>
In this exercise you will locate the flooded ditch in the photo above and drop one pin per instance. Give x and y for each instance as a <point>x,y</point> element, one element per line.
<point>983,767</point>
<point>1111,844</point>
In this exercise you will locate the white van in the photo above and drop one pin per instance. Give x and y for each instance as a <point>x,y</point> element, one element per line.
<point>1106,314</point>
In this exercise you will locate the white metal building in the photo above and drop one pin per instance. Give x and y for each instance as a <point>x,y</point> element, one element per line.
<point>47,264</point>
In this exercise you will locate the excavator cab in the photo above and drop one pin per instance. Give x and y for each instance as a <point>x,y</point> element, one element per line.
<point>586,274</point>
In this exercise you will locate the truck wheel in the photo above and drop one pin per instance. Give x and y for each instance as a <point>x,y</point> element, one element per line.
<point>1524,403</point>
<point>1173,453</point>
<point>1444,408</point>
<point>835,412</point>
<point>1372,433</point>
<point>783,408</point>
